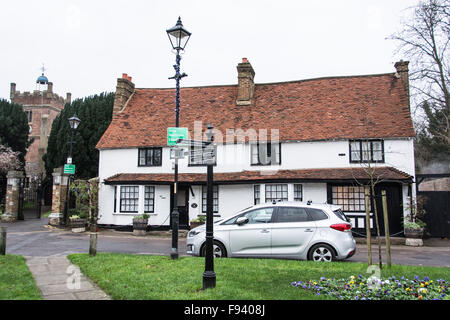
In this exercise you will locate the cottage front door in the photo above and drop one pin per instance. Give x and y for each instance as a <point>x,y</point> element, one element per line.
<point>183,206</point>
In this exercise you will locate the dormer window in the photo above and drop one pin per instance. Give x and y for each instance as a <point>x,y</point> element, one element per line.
<point>365,151</point>
<point>266,154</point>
<point>150,157</point>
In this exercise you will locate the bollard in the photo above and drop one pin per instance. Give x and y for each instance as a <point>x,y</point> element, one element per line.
<point>93,244</point>
<point>3,241</point>
<point>386,228</point>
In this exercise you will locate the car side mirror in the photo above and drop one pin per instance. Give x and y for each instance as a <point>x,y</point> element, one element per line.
<point>241,220</point>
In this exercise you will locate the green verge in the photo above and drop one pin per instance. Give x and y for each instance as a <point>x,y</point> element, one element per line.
<point>146,277</point>
<point>16,280</point>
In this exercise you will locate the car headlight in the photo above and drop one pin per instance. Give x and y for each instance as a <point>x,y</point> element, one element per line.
<point>193,233</point>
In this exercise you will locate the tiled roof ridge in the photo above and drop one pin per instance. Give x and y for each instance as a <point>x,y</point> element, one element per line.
<point>280,82</point>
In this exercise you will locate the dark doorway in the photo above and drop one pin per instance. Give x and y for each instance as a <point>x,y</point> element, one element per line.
<point>183,206</point>
<point>395,208</point>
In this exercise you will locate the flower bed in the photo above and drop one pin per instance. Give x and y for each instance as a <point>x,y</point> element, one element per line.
<point>363,288</point>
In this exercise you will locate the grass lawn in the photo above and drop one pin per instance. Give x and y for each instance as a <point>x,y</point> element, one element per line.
<point>16,281</point>
<point>136,277</point>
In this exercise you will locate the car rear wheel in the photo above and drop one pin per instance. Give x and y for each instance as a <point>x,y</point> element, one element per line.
<point>322,252</point>
<point>218,250</point>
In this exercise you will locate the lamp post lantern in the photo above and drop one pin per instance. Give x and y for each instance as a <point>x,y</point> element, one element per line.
<point>178,37</point>
<point>74,122</point>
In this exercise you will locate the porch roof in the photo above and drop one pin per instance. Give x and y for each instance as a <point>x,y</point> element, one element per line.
<point>380,174</point>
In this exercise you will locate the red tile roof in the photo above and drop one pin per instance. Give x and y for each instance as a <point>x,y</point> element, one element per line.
<point>373,106</point>
<point>381,173</point>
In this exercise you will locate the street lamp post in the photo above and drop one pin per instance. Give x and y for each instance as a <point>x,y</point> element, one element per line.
<point>209,276</point>
<point>178,37</point>
<point>74,123</point>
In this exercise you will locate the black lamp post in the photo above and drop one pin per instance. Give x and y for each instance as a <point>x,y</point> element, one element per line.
<point>178,37</point>
<point>209,276</point>
<point>74,122</point>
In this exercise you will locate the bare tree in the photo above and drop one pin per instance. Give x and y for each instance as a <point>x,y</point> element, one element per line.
<point>424,40</point>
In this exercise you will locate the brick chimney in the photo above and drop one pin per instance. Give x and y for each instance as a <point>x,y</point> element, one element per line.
<point>246,86</point>
<point>124,90</point>
<point>13,91</point>
<point>68,97</point>
<point>402,72</point>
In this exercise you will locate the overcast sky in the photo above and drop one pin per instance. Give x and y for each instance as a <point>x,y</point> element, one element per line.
<point>87,45</point>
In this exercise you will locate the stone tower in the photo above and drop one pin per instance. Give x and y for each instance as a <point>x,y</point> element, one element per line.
<point>41,106</point>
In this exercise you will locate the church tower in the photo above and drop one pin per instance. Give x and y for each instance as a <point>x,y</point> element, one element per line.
<point>42,106</point>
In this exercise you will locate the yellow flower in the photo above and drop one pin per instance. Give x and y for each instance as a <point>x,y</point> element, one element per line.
<point>407,289</point>
<point>426,283</point>
<point>431,281</point>
<point>420,297</point>
<point>422,285</point>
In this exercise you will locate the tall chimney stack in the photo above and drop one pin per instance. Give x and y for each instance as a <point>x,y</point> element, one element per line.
<point>124,90</point>
<point>68,97</point>
<point>246,85</point>
<point>402,71</point>
<point>13,91</point>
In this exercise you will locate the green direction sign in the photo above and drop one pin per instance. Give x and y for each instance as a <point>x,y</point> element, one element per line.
<point>173,134</point>
<point>69,168</point>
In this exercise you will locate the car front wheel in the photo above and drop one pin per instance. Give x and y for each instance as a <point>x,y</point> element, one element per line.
<point>321,252</point>
<point>218,250</point>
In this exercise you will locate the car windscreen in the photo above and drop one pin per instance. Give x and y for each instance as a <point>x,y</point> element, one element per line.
<point>341,215</point>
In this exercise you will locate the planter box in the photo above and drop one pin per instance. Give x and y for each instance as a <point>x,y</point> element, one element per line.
<point>414,237</point>
<point>414,233</point>
<point>140,227</point>
<point>78,225</point>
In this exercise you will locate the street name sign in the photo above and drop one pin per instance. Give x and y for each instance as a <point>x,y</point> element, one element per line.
<point>174,134</point>
<point>69,168</point>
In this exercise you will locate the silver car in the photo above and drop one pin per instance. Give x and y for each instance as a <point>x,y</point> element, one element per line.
<point>294,230</point>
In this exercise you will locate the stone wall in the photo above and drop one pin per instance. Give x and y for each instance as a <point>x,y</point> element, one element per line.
<point>58,196</point>
<point>12,196</point>
<point>435,185</point>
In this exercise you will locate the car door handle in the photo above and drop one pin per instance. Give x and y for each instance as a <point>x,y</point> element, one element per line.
<point>265,231</point>
<point>309,230</point>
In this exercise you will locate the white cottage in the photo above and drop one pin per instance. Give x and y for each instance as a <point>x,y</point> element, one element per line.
<point>316,139</point>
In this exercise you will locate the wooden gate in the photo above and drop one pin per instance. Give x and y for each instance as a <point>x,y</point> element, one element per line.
<point>437,218</point>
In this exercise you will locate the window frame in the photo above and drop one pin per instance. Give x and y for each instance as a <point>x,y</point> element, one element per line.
<point>296,192</point>
<point>257,191</point>
<point>121,199</point>
<point>371,154</point>
<point>271,191</point>
<point>258,163</point>
<point>153,156</point>
<point>215,199</point>
<point>145,199</point>
<point>345,207</point>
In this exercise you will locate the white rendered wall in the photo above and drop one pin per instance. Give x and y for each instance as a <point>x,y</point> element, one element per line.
<point>399,154</point>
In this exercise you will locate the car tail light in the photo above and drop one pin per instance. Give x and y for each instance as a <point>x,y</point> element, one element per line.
<point>341,226</point>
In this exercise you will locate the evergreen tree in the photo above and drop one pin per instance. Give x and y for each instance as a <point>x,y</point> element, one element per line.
<point>95,113</point>
<point>14,128</point>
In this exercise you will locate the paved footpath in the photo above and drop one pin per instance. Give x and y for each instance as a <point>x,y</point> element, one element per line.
<point>58,279</point>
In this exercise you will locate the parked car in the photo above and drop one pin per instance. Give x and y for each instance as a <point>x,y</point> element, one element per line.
<point>294,230</point>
